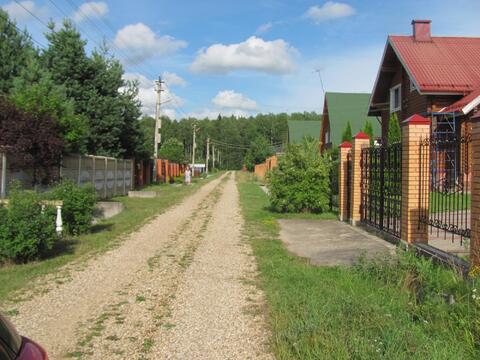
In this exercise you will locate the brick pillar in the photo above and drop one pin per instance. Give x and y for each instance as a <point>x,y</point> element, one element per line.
<point>475,210</point>
<point>360,141</point>
<point>345,149</point>
<point>414,179</point>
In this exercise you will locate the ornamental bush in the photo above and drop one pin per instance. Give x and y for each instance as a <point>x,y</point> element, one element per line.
<point>26,231</point>
<point>301,182</point>
<point>78,205</point>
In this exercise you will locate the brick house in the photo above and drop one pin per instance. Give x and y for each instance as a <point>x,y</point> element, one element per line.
<point>435,76</point>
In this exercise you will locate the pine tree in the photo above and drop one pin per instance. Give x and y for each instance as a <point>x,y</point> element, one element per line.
<point>368,129</point>
<point>347,133</point>
<point>15,51</point>
<point>34,91</point>
<point>394,132</point>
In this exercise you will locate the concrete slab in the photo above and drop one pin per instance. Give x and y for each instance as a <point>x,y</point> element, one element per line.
<point>142,194</point>
<point>106,210</point>
<point>330,242</point>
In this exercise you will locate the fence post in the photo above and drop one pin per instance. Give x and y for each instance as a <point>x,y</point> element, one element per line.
<point>345,150</point>
<point>3,191</point>
<point>415,179</point>
<point>79,178</point>
<point>94,176</point>
<point>105,179</point>
<point>475,210</point>
<point>360,141</point>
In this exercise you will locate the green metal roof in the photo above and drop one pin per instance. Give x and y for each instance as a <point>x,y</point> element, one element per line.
<point>298,129</point>
<point>345,107</point>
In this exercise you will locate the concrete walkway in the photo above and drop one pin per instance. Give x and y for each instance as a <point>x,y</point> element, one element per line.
<point>330,242</point>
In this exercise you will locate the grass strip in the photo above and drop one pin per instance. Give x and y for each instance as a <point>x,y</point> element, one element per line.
<point>104,235</point>
<point>384,309</point>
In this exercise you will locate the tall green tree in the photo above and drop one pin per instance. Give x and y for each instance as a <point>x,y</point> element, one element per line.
<point>15,51</point>
<point>34,91</point>
<point>394,131</point>
<point>259,150</point>
<point>172,150</point>
<point>347,133</point>
<point>368,129</point>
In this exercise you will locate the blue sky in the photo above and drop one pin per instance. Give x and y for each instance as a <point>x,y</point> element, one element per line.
<point>245,57</point>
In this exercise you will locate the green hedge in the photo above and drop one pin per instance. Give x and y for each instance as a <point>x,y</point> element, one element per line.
<point>78,205</point>
<point>26,232</point>
<point>301,182</point>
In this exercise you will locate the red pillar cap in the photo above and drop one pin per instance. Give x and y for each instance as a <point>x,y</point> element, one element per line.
<point>417,120</point>
<point>361,136</point>
<point>345,145</point>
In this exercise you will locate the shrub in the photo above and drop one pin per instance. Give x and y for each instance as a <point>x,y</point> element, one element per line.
<point>26,232</point>
<point>301,181</point>
<point>78,205</point>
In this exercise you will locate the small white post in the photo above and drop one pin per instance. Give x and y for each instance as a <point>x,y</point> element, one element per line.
<point>59,222</point>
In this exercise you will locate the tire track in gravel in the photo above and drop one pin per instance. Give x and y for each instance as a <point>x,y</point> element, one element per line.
<point>52,318</point>
<point>218,312</point>
<point>124,327</point>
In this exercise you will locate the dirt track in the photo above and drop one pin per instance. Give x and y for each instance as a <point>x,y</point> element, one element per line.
<point>178,288</point>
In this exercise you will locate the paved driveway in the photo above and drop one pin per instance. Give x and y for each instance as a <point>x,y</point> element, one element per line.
<point>330,242</point>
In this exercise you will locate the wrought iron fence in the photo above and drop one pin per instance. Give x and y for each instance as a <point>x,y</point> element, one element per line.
<point>446,209</point>
<point>334,186</point>
<point>349,185</point>
<point>381,187</point>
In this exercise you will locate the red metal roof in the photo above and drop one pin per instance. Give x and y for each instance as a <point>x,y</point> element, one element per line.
<point>443,65</point>
<point>465,104</point>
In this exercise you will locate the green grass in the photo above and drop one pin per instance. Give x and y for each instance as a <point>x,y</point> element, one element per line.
<point>440,202</point>
<point>103,236</point>
<point>384,309</point>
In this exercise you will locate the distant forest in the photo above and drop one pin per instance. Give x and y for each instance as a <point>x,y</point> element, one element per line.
<point>231,135</point>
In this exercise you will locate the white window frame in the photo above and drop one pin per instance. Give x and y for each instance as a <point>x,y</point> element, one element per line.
<point>392,97</point>
<point>412,86</point>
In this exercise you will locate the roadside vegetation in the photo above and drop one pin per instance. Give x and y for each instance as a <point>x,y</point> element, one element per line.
<point>301,182</point>
<point>99,237</point>
<point>402,308</point>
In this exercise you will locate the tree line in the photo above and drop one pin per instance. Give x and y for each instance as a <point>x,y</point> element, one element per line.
<point>62,98</point>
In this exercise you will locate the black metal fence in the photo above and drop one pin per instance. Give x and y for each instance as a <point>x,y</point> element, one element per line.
<point>446,209</point>
<point>334,186</point>
<point>349,185</point>
<point>381,187</point>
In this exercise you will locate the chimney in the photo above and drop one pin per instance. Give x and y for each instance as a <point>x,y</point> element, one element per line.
<point>421,30</point>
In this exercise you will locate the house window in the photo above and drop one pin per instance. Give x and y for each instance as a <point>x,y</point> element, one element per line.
<point>412,86</point>
<point>395,98</point>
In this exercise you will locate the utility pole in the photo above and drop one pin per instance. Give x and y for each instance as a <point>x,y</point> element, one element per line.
<point>208,155</point>
<point>213,157</point>
<point>193,147</point>
<point>157,137</point>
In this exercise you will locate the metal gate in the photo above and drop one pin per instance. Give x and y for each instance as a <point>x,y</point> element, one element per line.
<point>349,185</point>
<point>448,185</point>
<point>381,187</point>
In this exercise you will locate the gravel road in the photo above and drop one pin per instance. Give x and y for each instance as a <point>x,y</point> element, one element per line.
<point>178,288</point>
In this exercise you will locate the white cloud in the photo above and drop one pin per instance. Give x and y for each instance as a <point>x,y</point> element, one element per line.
<point>264,28</point>
<point>273,57</point>
<point>212,114</point>
<point>93,9</point>
<point>331,10</point>
<point>148,96</point>
<point>173,79</point>
<point>21,11</point>
<point>233,100</point>
<point>140,43</point>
